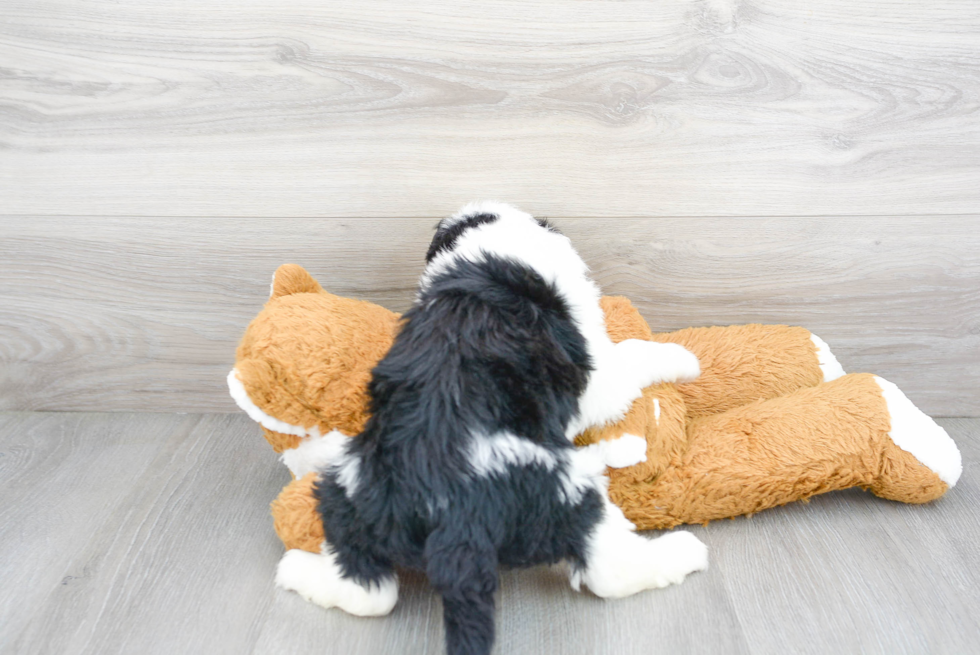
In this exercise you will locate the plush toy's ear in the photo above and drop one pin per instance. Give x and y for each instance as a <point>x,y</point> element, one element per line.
<point>293,278</point>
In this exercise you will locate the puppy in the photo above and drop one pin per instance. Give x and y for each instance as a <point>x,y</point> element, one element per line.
<point>467,462</point>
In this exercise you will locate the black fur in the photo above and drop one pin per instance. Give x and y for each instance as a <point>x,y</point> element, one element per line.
<point>488,347</point>
<point>446,238</point>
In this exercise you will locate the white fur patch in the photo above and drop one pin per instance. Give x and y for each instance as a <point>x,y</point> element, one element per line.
<point>620,377</point>
<point>916,433</point>
<point>493,454</point>
<point>621,370</point>
<point>627,450</point>
<point>583,469</point>
<point>656,410</point>
<point>318,579</point>
<point>317,454</point>
<point>240,396</point>
<point>516,236</point>
<point>828,363</point>
<point>621,563</point>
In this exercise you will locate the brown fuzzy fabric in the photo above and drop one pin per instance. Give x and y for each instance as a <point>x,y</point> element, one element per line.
<point>757,429</point>
<point>752,458</point>
<point>306,359</point>
<point>294,515</point>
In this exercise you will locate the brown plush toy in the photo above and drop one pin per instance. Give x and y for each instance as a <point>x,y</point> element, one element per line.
<point>772,418</point>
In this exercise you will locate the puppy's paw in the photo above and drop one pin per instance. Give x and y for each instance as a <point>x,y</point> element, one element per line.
<point>627,450</point>
<point>679,553</point>
<point>302,572</point>
<point>677,364</point>
<point>318,579</point>
<point>623,563</point>
<point>650,362</point>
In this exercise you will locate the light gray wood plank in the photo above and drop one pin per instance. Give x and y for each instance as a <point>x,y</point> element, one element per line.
<point>603,108</point>
<point>172,551</point>
<point>537,612</point>
<point>173,555</point>
<point>61,477</point>
<point>132,314</point>
<point>849,572</point>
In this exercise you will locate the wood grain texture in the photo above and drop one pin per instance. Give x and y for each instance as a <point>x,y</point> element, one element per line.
<point>143,533</point>
<point>129,314</point>
<point>600,108</point>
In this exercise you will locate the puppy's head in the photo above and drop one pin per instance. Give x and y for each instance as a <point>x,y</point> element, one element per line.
<point>449,230</point>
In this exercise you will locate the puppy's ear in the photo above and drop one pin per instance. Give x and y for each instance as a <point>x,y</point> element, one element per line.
<point>450,229</point>
<point>293,278</point>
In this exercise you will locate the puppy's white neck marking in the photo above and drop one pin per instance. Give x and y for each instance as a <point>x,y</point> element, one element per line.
<point>517,237</point>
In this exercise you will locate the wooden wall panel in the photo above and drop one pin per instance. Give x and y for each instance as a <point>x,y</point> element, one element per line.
<point>600,108</point>
<point>136,314</point>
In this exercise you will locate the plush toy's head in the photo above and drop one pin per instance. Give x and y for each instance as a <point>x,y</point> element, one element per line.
<point>303,366</point>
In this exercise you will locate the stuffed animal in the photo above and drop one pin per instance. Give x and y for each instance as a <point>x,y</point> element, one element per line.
<point>772,418</point>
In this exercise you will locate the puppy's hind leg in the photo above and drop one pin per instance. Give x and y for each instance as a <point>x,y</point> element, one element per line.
<point>619,562</point>
<point>350,571</point>
<point>320,579</point>
<point>463,569</point>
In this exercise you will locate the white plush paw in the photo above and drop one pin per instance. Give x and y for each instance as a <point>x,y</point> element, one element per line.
<point>829,365</point>
<point>318,579</point>
<point>916,433</point>
<point>650,362</point>
<point>627,450</point>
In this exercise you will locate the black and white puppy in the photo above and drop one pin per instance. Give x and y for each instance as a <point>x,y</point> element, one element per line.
<point>467,462</point>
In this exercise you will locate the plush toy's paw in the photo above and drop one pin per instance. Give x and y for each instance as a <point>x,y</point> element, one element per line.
<point>627,450</point>
<point>650,362</point>
<point>318,579</point>
<point>916,433</point>
<point>829,365</point>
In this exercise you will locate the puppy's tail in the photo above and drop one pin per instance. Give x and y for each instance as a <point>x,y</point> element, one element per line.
<point>465,574</point>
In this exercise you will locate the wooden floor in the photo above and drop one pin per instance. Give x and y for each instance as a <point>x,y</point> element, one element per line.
<point>150,533</point>
<point>717,161</point>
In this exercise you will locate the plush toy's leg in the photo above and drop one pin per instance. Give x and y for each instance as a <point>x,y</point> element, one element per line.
<point>739,363</point>
<point>915,441</point>
<point>854,431</point>
<point>619,562</point>
<point>320,579</point>
<point>745,363</point>
<point>622,372</point>
<point>295,518</point>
